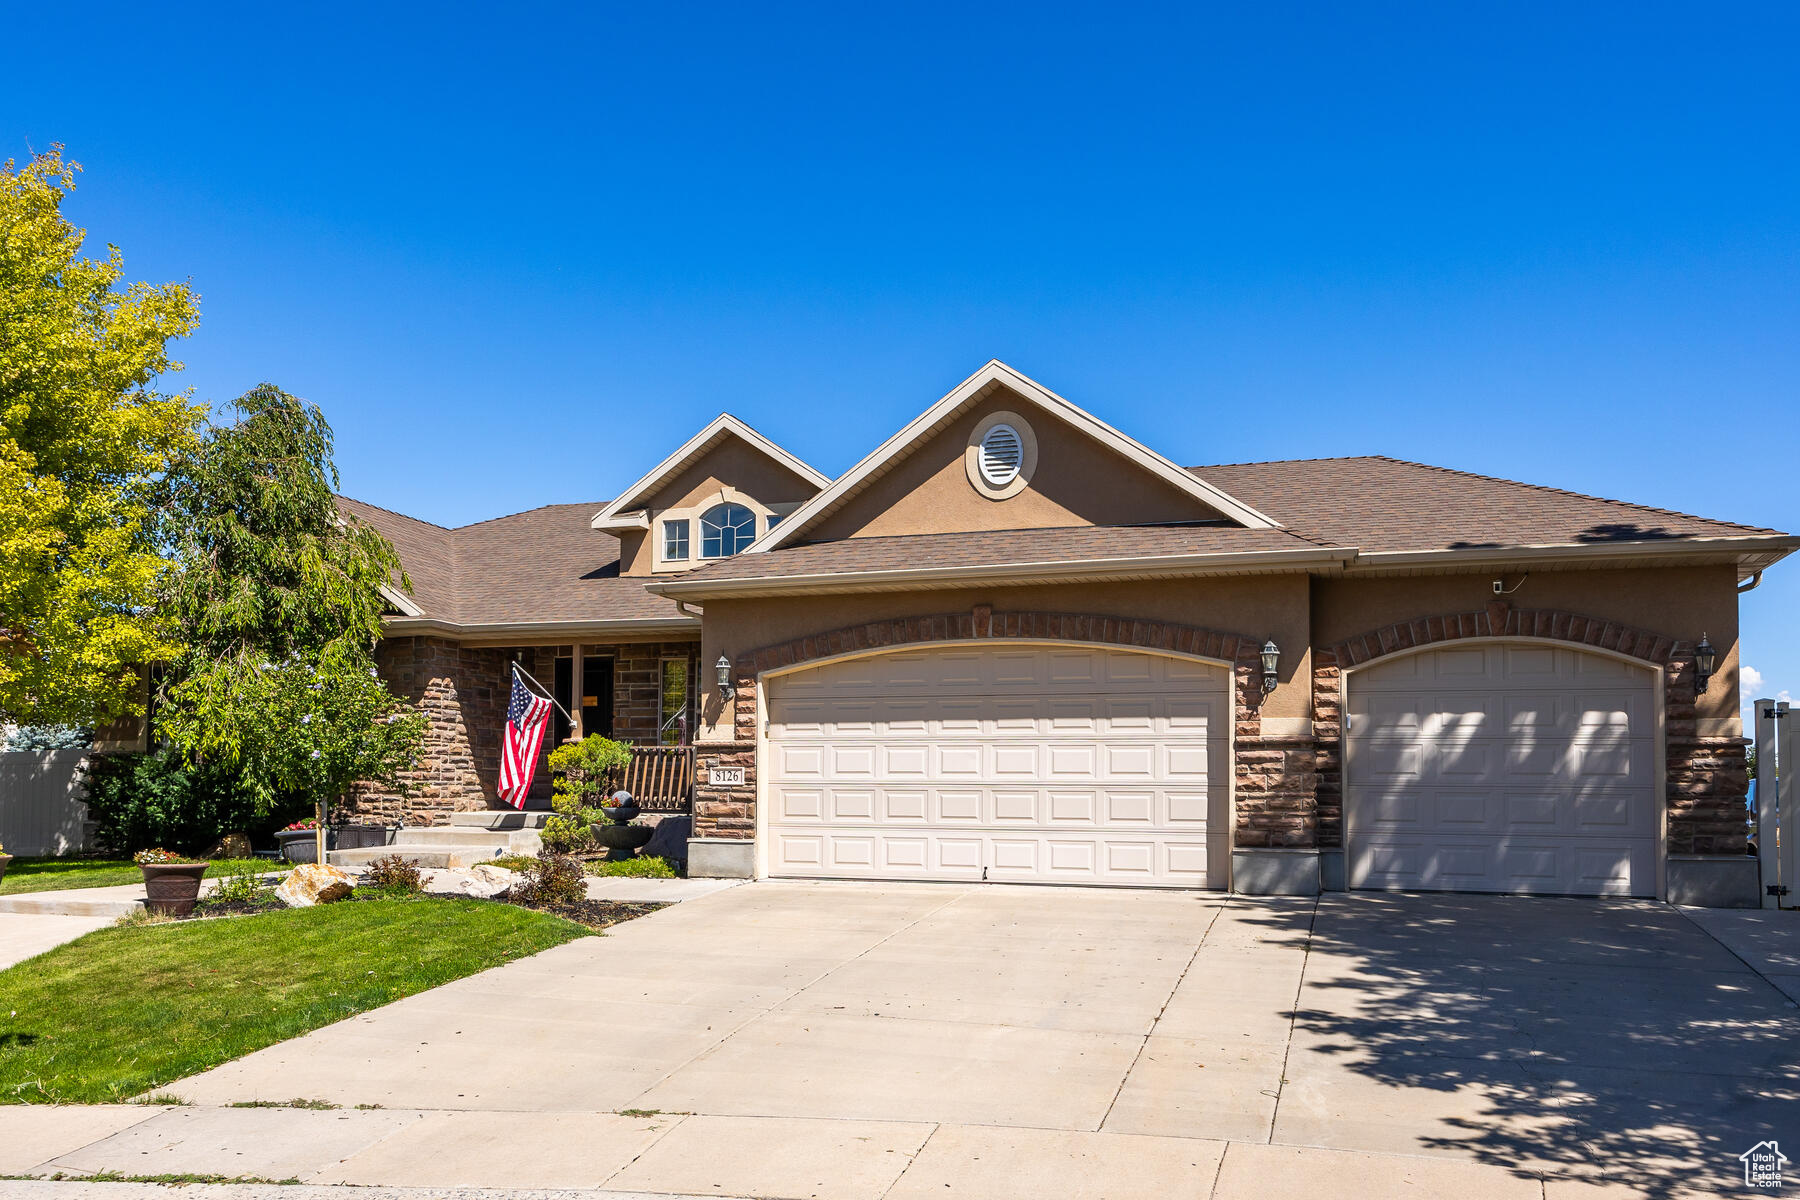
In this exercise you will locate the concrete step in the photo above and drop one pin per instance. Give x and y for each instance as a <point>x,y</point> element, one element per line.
<point>504,818</point>
<point>458,835</point>
<point>456,856</point>
<point>102,903</point>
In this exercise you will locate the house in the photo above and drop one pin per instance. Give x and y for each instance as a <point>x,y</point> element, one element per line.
<point>1014,643</point>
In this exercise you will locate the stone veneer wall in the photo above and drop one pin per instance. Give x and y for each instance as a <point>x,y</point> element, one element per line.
<point>1276,776</point>
<point>464,692</point>
<point>463,695</point>
<point>1706,777</point>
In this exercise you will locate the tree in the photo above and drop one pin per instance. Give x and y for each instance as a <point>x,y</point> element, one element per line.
<point>84,442</point>
<point>278,598</point>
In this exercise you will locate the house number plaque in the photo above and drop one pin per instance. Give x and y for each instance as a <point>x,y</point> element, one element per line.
<point>727,776</point>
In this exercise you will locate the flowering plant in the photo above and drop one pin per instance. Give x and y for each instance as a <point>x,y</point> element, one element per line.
<point>160,857</point>
<point>309,823</point>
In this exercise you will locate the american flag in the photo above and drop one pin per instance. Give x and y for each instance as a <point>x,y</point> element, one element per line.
<point>526,717</point>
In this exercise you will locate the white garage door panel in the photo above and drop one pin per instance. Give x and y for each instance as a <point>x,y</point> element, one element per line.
<point>1502,768</point>
<point>1017,763</point>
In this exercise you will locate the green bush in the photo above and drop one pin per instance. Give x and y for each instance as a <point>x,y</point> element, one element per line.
<point>584,772</point>
<point>552,879</point>
<point>641,867</point>
<point>143,800</point>
<point>510,862</point>
<point>243,883</point>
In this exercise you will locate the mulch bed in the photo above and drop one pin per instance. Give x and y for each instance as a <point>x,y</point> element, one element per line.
<point>595,914</point>
<point>235,908</point>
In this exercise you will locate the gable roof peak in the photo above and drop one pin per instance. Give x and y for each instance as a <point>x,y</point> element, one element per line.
<point>721,426</point>
<point>917,431</point>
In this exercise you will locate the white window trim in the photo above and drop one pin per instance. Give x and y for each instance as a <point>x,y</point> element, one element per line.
<point>691,514</point>
<point>662,544</point>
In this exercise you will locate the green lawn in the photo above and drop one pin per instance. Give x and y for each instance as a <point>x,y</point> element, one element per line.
<point>55,874</point>
<point>126,1009</point>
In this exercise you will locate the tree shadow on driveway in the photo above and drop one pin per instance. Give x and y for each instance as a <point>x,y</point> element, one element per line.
<point>1572,1037</point>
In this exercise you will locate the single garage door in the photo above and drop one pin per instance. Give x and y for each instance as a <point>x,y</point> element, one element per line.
<point>1502,767</point>
<point>1020,763</point>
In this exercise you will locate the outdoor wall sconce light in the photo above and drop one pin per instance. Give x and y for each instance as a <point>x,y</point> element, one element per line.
<point>724,668</point>
<point>1271,661</point>
<point>1705,659</point>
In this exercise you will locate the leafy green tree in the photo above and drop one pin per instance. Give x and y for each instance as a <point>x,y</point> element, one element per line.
<point>279,600</point>
<point>84,441</point>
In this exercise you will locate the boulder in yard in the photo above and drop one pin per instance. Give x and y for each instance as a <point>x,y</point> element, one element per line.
<point>482,881</point>
<point>232,845</point>
<point>313,883</point>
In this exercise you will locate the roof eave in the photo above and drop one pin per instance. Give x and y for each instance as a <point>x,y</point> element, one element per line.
<point>691,449</point>
<point>538,630</point>
<point>1311,560</point>
<point>1752,553</point>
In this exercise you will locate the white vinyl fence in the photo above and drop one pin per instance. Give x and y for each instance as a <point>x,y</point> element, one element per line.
<point>41,810</point>
<point>1778,803</point>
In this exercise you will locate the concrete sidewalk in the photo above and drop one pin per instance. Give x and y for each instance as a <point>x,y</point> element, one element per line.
<point>27,935</point>
<point>609,1156</point>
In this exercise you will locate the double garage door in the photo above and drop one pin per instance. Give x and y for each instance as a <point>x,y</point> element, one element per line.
<point>1019,763</point>
<point>1502,767</point>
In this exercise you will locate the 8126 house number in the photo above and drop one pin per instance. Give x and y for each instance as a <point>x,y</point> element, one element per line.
<point>726,776</point>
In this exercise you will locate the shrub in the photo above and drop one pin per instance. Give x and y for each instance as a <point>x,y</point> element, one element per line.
<point>584,772</point>
<point>510,862</point>
<point>158,857</point>
<point>243,883</point>
<point>644,866</point>
<point>393,876</point>
<point>142,800</point>
<point>552,879</point>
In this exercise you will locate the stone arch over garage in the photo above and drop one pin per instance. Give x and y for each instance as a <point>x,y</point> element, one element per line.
<point>1274,779</point>
<point>1706,777</point>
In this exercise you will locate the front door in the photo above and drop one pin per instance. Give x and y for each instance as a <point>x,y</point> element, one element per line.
<point>597,696</point>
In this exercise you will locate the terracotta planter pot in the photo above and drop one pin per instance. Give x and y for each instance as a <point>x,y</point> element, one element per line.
<point>5,862</point>
<point>172,888</point>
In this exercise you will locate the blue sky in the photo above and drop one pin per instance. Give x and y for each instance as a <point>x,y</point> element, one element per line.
<point>519,253</point>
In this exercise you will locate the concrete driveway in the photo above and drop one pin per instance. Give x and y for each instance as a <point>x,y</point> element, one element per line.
<point>999,1041</point>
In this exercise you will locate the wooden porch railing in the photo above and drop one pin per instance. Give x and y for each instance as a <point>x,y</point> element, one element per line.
<point>661,778</point>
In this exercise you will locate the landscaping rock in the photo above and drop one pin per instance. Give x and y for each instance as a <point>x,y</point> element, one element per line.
<point>482,881</point>
<point>313,883</point>
<point>232,845</point>
<point>670,839</point>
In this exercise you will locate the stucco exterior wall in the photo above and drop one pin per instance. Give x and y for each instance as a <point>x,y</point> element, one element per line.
<point>1679,602</point>
<point>1287,745</point>
<point>733,466</point>
<point>1259,606</point>
<point>1077,482</point>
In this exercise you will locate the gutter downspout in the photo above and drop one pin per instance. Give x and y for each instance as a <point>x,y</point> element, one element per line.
<point>686,609</point>
<point>1749,585</point>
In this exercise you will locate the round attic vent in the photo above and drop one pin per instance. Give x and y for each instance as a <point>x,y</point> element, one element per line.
<point>1002,455</point>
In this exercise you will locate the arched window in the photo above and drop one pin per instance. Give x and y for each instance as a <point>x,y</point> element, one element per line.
<point>725,529</point>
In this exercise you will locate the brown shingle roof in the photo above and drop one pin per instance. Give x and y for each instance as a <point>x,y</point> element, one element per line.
<point>542,565</point>
<point>548,565</point>
<point>1007,548</point>
<point>1387,504</point>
